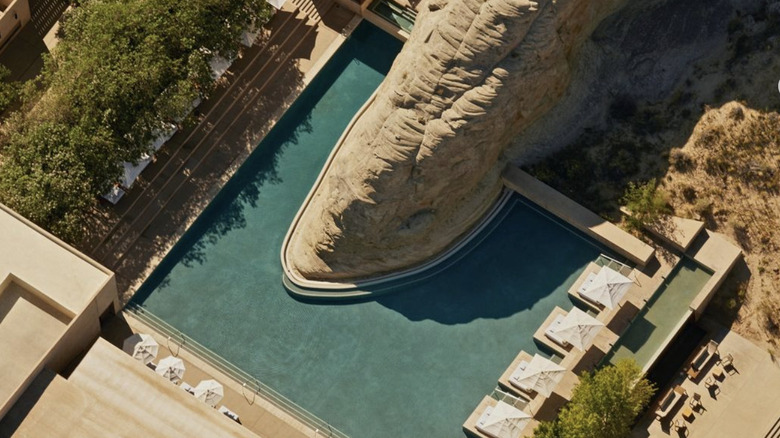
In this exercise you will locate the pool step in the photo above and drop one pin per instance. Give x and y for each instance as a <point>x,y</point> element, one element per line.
<point>774,432</point>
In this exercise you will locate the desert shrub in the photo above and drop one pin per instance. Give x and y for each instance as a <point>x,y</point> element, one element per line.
<point>645,201</point>
<point>680,160</point>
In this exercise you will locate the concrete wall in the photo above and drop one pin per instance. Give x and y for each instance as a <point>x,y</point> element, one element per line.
<point>84,329</point>
<point>15,16</point>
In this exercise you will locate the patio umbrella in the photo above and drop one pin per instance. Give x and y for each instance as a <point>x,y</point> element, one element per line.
<point>209,392</point>
<point>142,347</point>
<point>608,288</point>
<point>276,3</point>
<point>172,368</point>
<point>503,421</point>
<point>578,328</point>
<point>541,375</point>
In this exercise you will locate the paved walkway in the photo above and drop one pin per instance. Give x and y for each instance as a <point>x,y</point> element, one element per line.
<point>256,413</point>
<point>131,237</point>
<point>745,402</point>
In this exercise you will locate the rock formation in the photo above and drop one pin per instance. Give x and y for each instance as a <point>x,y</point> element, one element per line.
<point>422,164</point>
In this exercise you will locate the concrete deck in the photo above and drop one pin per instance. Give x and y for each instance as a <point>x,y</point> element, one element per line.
<point>257,414</point>
<point>578,216</point>
<point>718,254</point>
<point>676,231</point>
<point>111,393</point>
<point>746,402</point>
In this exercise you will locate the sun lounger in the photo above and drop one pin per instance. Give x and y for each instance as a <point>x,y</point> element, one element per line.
<point>669,402</point>
<point>703,357</point>
<point>513,379</point>
<point>186,386</point>
<point>230,414</point>
<point>586,284</point>
<point>550,331</point>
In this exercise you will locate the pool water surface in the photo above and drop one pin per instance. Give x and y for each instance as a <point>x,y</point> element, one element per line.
<point>412,363</point>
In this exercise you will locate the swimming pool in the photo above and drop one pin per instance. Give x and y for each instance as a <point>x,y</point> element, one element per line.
<point>412,363</point>
<point>663,312</point>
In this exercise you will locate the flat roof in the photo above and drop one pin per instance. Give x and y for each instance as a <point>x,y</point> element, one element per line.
<point>49,265</point>
<point>28,330</point>
<point>44,285</point>
<point>110,391</point>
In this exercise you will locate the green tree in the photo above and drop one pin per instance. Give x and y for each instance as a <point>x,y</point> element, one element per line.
<point>646,203</point>
<point>123,70</point>
<point>603,405</point>
<point>9,90</point>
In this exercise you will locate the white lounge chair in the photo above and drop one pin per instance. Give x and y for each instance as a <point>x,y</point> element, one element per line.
<point>513,379</point>
<point>230,414</point>
<point>550,332</point>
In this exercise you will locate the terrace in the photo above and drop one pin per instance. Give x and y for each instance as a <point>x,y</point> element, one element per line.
<point>736,404</point>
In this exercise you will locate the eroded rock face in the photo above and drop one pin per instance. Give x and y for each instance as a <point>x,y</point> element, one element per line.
<point>422,164</point>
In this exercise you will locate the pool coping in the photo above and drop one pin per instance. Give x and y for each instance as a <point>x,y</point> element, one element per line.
<point>305,288</point>
<point>578,216</point>
<point>320,290</point>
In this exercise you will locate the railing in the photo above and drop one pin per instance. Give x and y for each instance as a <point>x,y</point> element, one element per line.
<point>498,394</point>
<point>605,260</point>
<point>319,426</point>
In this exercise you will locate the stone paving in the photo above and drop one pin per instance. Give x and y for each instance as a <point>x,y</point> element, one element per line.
<point>744,402</point>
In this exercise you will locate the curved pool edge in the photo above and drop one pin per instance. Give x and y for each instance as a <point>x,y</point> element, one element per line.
<point>312,290</point>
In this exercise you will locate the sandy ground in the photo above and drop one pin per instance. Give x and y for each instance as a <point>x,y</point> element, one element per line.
<point>651,99</point>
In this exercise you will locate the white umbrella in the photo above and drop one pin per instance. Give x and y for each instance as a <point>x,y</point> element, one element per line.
<point>209,392</point>
<point>608,288</point>
<point>142,347</point>
<point>503,421</point>
<point>276,3</point>
<point>541,375</point>
<point>172,368</point>
<point>578,328</point>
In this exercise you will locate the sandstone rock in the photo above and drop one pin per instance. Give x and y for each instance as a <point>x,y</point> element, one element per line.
<point>421,166</point>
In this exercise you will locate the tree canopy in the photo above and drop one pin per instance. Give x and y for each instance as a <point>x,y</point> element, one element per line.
<point>646,203</point>
<point>122,70</point>
<point>604,404</point>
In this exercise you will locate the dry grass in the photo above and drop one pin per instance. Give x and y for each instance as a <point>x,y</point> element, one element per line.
<point>728,174</point>
<point>719,165</point>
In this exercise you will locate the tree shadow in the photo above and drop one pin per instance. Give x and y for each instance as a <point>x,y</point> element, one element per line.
<point>227,211</point>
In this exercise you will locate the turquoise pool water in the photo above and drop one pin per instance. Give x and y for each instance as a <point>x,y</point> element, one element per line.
<point>662,314</point>
<point>413,363</point>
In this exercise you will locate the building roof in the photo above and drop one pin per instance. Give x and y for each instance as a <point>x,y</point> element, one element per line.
<point>44,285</point>
<point>64,275</point>
<point>109,392</point>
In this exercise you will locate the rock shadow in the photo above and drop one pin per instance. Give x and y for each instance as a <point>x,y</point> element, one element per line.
<point>523,260</point>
